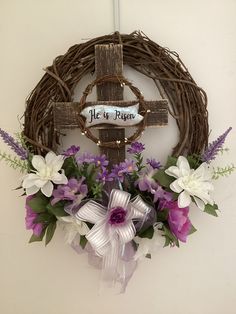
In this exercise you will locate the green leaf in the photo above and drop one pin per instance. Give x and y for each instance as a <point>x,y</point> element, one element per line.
<point>38,203</point>
<point>50,232</point>
<point>162,215</point>
<point>170,237</point>
<point>148,233</point>
<point>57,210</point>
<point>211,209</point>
<point>171,161</point>
<point>45,218</point>
<point>192,230</point>
<point>83,241</point>
<point>35,238</point>
<point>163,178</point>
<point>194,161</point>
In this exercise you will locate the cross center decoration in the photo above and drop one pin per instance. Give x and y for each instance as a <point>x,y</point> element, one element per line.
<point>110,87</point>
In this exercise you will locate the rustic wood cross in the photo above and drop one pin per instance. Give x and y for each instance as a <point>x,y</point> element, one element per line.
<point>109,61</point>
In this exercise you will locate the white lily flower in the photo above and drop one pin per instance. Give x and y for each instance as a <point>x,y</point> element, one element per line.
<point>149,246</point>
<point>190,182</point>
<point>47,171</point>
<point>72,227</point>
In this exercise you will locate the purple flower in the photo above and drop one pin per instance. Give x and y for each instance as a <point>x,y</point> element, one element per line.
<point>85,158</point>
<point>214,147</point>
<point>105,176</point>
<point>70,191</point>
<point>135,148</point>
<point>119,171</point>
<point>178,220</point>
<point>71,151</point>
<point>160,194</point>
<point>101,161</point>
<point>153,163</point>
<point>146,182</point>
<point>30,219</point>
<point>129,166</point>
<point>14,145</point>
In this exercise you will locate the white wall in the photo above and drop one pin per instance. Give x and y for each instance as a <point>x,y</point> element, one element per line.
<point>199,277</point>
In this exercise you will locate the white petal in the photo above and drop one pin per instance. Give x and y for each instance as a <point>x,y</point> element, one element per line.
<point>50,157</point>
<point>184,199</point>
<point>200,204</point>
<point>173,171</point>
<point>32,190</point>
<point>29,180</point>
<point>38,162</point>
<point>59,178</point>
<point>47,189</point>
<point>118,198</point>
<point>126,232</point>
<point>54,161</point>
<point>183,165</point>
<point>176,187</point>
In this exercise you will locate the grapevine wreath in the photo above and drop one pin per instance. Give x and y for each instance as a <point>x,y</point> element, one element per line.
<point>117,213</point>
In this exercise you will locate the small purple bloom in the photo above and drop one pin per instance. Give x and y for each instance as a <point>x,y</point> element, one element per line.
<point>101,161</point>
<point>178,220</point>
<point>135,148</point>
<point>153,163</point>
<point>160,194</point>
<point>71,151</point>
<point>117,172</point>
<point>30,219</point>
<point>214,147</point>
<point>146,182</point>
<point>69,191</point>
<point>117,216</point>
<point>14,145</point>
<point>85,158</point>
<point>105,176</point>
<point>129,166</point>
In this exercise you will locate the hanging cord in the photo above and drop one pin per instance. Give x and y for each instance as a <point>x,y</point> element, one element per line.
<point>116,15</point>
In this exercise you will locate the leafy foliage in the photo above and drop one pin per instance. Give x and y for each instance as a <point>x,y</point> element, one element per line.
<point>223,171</point>
<point>211,209</point>
<point>14,162</point>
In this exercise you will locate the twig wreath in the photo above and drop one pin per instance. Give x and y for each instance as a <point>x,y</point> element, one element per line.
<point>120,212</point>
<point>165,68</point>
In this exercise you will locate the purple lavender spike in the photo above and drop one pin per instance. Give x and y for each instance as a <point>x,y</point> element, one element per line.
<point>14,145</point>
<point>214,147</point>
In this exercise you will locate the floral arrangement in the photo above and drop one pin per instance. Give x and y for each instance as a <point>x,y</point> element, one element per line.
<point>117,213</point>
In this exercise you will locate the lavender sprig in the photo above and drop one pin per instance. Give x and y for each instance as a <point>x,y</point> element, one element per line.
<point>215,147</point>
<point>14,145</point>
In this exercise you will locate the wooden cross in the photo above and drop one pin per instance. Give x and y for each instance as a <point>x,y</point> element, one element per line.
<point>109,61</point>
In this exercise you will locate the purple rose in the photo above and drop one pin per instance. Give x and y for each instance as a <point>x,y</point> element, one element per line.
<point>30,219</point>
<point>178,220</point>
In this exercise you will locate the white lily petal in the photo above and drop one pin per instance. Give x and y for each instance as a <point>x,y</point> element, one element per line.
<point>32,190</point>
<point>40,183</point>
<point>29,180</point>
<point>173,171</point>
<point>38,162</point>
<point>184,199</point>
<point>174,186</point>
<point>59,178</point>
<point>118,198</point>
<point>126,232</point>
<point>50,157</point>
<point>47,189</point>
<point>200,204</point>
<point>183,165</point>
